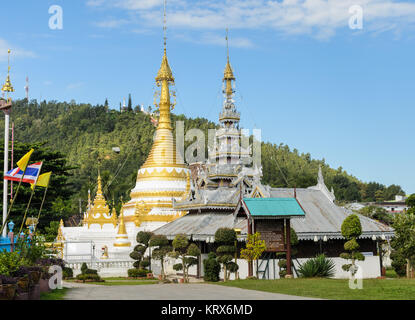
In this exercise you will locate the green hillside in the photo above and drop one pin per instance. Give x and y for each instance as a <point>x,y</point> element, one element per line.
<point>86,134</point>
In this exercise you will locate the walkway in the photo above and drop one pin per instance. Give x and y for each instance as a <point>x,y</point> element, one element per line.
<point>195,291</point>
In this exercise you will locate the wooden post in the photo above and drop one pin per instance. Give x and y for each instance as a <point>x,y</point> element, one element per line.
<point>250,263</point>
<point>380,258</point>
<point>288,242</point>
<point>199,265</point>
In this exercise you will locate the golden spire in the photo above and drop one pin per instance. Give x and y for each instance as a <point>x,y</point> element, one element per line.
<point>121,227</point>
<point>99,211</point>
<point>228,76</point>
<point>60,236</point>
<point>7,87</point>
<point>163,151</point>
<point>99,195</point>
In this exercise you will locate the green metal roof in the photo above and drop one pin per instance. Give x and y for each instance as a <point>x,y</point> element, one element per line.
<point>287,207</point>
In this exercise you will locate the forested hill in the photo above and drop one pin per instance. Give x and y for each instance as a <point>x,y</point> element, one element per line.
<point>87,134</point>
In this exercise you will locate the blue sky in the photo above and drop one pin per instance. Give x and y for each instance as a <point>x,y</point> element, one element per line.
<point>303,76</point>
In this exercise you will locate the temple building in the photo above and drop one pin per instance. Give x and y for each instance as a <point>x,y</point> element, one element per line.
<point>226,179</point>
<point>162,179</point>
<point>164,176</point>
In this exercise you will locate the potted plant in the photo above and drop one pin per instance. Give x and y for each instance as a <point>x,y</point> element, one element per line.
<point>8,287</point>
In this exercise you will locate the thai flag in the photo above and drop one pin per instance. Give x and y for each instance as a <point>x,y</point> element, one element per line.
<point>31,174</point>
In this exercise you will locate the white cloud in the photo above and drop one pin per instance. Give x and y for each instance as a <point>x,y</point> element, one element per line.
<point>110,24</point>
<point>216,39</point>
<point>75,85</point>
<point>318,18</point>
<point>15,52</point>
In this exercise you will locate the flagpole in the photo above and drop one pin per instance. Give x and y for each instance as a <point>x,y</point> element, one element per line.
<point>11,205</point>
<point>27,208</point>
<point>41,206</point>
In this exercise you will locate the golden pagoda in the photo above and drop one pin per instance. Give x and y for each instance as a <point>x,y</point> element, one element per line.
<point>122,236</point>
<point>164,175</point>
<point>99,212</point>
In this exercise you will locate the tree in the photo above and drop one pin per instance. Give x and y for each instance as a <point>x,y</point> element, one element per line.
<point>351,229</point>
<point>377,213</point>
<point>188,254</point>
<point>143,238</point>
<point>254,249</point>
<point>410,202</point>
<point>379,196</point>
<point>162,250</point>
<point>225,238</point>
<point>211,268</point>
<point>51,232</point>
<point>404,241</point>
<point>130,103</point>
<point>106,102</point>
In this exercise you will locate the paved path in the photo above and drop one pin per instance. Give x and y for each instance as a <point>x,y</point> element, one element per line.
<point>195,291</point>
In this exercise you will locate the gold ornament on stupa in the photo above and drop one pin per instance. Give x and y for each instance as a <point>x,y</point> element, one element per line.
<point>7,87</point>
<point>163,176</point>
<point>122,236</point>
<point>98,212</point>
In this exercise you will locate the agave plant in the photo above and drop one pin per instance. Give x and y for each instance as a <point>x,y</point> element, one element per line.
<point>318,267</point>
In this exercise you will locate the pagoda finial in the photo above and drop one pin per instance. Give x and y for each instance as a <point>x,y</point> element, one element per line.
<point>7,87</point>
<point>164,79</point>
<point>165,26</point>
<point>227,44</point>
<point>228,76</point>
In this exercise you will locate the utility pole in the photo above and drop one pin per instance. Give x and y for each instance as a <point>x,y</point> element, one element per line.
<point>6,106</point>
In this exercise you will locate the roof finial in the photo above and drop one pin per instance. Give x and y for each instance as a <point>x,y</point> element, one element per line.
<point>165,26</point>
<point>227,44</point>
<point>7,87</point>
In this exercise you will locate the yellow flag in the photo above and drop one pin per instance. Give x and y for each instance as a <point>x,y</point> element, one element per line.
<point>22,163</point>
<point>42,181</point>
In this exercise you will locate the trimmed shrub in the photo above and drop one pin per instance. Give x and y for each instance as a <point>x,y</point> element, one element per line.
<point>318,267</point>
<point>91,277</point>
<point>84,267</point>
<point>67,273</point>
<point>137,273</point>
<point>211,268</point>
<point>91,271</point>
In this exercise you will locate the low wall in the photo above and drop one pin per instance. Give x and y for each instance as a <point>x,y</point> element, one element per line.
<point>370,268</point>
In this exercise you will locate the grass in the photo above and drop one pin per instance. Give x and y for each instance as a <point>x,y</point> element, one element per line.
<point>390,273</point>
<point>338,289</point>
<point>120,281</point>
<point>125,282</point>
<point>57,294</point>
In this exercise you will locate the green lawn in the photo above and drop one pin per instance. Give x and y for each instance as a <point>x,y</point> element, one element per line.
<point>373,289</point>
<point>56,294</point>
<point>118,281</point>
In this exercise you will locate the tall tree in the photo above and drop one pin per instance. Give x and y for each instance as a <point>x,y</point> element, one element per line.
<point>130,103</point>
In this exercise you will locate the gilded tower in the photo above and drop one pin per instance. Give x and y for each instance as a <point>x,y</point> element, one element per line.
<point>164,175</point>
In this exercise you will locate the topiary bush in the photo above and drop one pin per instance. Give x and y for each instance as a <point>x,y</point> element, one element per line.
<point>211,268</point>
<point>84,267</point>
<point>398,263</point>
<point>226,238</point>
<point>89,277</point>
<point>67,273</point>
<point>143,238</point>
<point>318,267</point>
<point>137,273</point>
<point>351,229</point>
